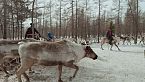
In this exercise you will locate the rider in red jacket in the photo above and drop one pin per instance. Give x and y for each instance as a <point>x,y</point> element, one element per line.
<point>109,35</point>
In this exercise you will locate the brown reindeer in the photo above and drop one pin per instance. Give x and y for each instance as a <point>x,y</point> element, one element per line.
<point>105,40</point>
<point>62,53</point>
<point>126,39</point>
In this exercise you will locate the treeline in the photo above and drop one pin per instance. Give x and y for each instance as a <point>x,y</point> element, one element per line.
<point>71,18</point>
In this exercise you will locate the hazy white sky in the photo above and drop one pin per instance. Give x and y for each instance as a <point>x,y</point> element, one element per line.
<point>142,4</point>
<point>94,10</point>
<point>109,4</point>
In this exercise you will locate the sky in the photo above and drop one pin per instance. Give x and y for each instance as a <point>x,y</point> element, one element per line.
<point>109,3</point>
<point>142,5</point>
<point>94,8</point>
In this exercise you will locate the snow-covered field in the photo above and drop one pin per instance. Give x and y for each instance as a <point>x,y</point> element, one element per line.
<point>127,65</point>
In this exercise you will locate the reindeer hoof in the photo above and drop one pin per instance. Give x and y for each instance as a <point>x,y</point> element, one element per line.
<point>102,48</point>
<point>27,81</point>
<point>70,79</point>
<point>60,80</point>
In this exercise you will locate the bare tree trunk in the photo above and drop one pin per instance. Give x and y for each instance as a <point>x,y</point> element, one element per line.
<point>43,23</point>
<point>86,25</point>
<point>99,21</point>
<point>60,21</point>
<point>17,25</point>
<point>134,19</point>
<point>118,20</point>
<point>50,17</point>
<point>13,29</point>
<point>32,18</point>
<point>136,34</point>
<point>76,24</point>
<point>5,20</point>
<point>72,19</point>
<point>2,26</point>
<point>21,30</point>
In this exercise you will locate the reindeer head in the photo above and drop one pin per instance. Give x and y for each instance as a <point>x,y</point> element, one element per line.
<point>90,53</point>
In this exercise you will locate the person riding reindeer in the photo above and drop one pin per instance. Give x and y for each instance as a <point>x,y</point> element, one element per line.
<point>29,33</point>
<point>110,34</point>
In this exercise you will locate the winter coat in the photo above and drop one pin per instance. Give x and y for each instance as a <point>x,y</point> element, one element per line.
<point>29,33</point>
<point>109,34</point>
<point>50,36</point>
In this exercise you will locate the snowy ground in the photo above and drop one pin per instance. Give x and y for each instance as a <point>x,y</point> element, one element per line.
<point>127,65</point>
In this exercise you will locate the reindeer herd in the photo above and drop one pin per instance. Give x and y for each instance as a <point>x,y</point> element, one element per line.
<point>25,53</point>
<point>21,55</point>
<point>126,40</point>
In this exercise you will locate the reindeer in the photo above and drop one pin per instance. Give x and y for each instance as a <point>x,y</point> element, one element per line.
<point>105,40</point>
<point>61,53</point>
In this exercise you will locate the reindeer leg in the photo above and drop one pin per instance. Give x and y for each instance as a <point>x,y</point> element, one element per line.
<point>111,47</point>
<point>60,72</point>
<point>123,42</point>
<point>26,77</point>
<point>117,47</point>
<point>71,65</point>
<point>75,67</point>
<point>31,71</point>
<point>130,42</point>
<point>20,71</point>
<point>102,47</point>
<point>24,66</point>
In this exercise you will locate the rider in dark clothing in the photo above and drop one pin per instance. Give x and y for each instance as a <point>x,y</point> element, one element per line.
<point>29,33</point>
<point>50,36</point>
<point>109,36</point>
